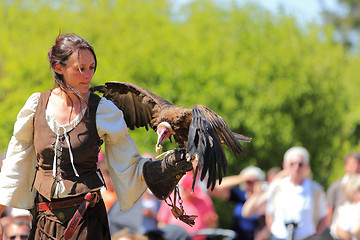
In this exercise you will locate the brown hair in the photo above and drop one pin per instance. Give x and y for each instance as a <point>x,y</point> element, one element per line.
<point>65,45</point>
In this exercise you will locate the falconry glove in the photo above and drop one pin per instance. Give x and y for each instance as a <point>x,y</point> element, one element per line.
<point>163,175</point>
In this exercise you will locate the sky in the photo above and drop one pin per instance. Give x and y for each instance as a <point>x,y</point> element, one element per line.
<point>303,10</point>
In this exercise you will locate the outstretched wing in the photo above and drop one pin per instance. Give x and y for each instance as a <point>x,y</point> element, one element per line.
<point>207,132</point>
<point>137,103</point>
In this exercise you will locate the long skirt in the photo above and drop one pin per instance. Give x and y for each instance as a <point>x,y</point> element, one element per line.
<point>52,224</point>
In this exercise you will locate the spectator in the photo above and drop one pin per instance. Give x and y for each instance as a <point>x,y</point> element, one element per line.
<point>347,221</point>
<point>244,226</point>
<point>255,205</point>
<point>17,229</point>
<point>197,203</point>
<point>335,194</point>
<point>150,209</point>
<point>128,234</point>
<point>16,213</point>
<point>296,201</point>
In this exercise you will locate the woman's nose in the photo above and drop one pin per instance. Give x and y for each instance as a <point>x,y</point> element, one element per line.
<point>88,74</point>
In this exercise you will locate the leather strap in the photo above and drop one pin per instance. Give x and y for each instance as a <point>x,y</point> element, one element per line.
<point>87,202</point>
<point>43,206</point>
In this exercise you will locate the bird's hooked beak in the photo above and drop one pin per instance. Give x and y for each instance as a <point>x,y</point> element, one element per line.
<point>163,131</point>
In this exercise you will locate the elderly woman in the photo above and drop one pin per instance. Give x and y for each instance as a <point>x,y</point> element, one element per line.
<point>347,221</point>
<point>297,205</point>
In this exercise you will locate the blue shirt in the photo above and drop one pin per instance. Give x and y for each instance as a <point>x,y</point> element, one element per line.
<point>244,227</point>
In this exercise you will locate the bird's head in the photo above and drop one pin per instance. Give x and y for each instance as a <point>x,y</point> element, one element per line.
<point>164,131</point>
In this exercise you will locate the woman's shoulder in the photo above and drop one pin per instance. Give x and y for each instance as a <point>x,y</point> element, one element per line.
<point>32,101</point>
<point>34,96</point>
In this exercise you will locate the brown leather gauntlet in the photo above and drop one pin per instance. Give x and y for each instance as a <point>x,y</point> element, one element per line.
<point>163,175</point>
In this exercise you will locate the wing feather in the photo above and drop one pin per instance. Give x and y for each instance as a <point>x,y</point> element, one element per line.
<point>225,134</point>
<point>207,133</point>
<point>137,103</point>
<point>204,140</point>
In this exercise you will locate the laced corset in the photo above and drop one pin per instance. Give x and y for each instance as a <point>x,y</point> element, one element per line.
<point>58,189</point>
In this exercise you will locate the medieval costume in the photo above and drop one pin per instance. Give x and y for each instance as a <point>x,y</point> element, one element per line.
<point>56,165</point>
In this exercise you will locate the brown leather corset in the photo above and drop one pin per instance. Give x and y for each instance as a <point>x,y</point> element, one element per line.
<point>85,146</point>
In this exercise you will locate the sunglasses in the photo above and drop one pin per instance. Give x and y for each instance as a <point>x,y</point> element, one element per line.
<point>297,163</point>
<point>22,236</point>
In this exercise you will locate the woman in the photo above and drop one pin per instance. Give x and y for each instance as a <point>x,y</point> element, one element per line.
<point>64,128</point>
<point>347,221</point>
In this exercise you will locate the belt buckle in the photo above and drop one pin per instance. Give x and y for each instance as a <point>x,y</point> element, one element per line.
<point>60,216</point>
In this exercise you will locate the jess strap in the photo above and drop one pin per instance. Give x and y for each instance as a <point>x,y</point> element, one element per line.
<point>89,201</point>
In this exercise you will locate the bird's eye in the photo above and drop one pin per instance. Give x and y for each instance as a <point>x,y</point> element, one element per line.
<point>165,132</point>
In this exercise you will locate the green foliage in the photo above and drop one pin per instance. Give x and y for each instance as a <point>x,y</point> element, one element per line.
<point>270,79</point>
<point>346,19</point>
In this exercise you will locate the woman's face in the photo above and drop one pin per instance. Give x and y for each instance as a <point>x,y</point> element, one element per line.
<point>79,70</point>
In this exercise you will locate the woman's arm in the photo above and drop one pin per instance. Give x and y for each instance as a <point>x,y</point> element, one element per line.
<point>18,170</point>
<point>122,156</point>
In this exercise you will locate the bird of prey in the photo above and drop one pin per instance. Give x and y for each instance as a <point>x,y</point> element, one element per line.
<point>199,130</point>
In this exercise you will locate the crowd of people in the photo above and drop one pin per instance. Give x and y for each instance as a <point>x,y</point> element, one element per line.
<point>54,167</point>
<point>282,204</point>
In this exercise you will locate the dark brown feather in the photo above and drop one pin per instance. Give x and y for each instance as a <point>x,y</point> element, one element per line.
<point>137,103</point>
<point>200,130</point>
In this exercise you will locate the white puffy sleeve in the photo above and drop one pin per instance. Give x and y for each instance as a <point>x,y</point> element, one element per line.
<point>18,170</point>
<point>123,159</point>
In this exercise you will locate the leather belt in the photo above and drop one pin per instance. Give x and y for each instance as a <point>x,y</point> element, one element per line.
<point>89,200</point>
<point>43,206</point>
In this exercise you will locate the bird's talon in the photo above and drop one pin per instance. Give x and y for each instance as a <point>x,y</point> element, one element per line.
<point>158,149</point>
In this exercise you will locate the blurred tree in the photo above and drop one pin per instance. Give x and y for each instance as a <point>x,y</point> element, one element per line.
<point>346,20</point>
<point>270,79</point>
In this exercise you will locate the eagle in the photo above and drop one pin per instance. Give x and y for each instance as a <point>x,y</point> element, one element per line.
<point>199,130</point>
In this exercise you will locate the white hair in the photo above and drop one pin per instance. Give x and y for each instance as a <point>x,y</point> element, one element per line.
<point>296,151</point>
<point>254,172</point>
